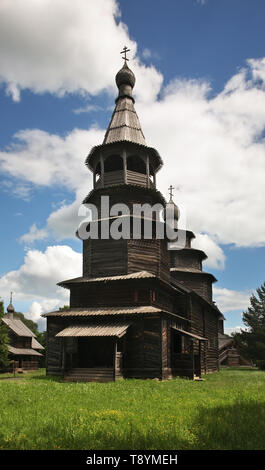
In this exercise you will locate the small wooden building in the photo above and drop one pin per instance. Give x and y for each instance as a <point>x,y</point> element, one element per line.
<point>229,355</point>
<point>139,310</point>
<point>23,347</point>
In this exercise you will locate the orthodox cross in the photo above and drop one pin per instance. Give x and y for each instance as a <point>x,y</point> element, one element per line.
<point>124,51</point>
<point>11,294</point>
<point>171,191</point>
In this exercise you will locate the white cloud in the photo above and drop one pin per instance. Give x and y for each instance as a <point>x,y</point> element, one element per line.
<point>235,329</point>
<point>231,300</point>
<point>87,109</point>
<point>36,279</point>
<point>36,309</point>
<point>214,152</point>
<point>258,67</point>
<point>62,46</point>
<point>34,234</point>
<point>44,159</point>
<point>64,222</point>
<point>216,257</point>
<point>147,54</point>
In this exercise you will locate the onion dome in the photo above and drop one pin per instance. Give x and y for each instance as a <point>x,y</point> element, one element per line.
<point>174,208</point>
<point>171,214</point>
<point>171,210</point>
<point>10,309</point>
<point>125,76</point>
<point>125,80</point>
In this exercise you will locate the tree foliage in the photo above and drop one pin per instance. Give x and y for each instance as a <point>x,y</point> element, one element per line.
<point>4,340</point>
<point>252,341</point>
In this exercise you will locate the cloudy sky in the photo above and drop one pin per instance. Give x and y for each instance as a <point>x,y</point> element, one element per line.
<point>200,97</point>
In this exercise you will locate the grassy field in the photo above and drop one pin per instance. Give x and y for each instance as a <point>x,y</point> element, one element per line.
<point>225,411</point>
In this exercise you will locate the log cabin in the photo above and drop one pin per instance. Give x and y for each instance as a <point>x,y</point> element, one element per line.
<point>23,348</point>
<point>140,309</point>
<point>229,354</point>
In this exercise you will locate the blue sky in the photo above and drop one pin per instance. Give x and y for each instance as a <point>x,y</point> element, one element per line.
<point>200,97</point>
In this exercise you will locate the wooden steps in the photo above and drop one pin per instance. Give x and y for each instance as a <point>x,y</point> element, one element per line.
<point>104,374</point>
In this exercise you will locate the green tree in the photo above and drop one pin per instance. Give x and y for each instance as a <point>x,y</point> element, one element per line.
<point>4,340</point>
<point>41,338</point>
<point>252,341</point>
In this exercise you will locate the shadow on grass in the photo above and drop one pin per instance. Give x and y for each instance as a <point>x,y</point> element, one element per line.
<point>238,427</point>
<point>241,369</point>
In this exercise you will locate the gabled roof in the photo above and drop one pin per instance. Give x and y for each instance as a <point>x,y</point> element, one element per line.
<point>35,344</point>
<point>224,340</point>
<point>18,327</point>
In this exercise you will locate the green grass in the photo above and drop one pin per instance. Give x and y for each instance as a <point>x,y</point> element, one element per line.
<point>225,411</point>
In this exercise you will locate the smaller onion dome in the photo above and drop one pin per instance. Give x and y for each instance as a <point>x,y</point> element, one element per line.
<point>171,214</point>
<point>175,210</point>
<point>10,308</point>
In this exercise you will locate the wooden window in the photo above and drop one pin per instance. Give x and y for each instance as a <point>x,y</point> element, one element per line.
<point>136,296</point>
<point>153,296</point>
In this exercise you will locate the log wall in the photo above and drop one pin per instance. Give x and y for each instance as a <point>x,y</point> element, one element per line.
<point>205,324</point>
<point>54,347</point>
<point>142,357</point>
<point>200,283</point>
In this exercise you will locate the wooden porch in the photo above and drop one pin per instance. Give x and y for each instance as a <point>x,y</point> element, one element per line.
<point>92,353</point>
<point>92,374</point>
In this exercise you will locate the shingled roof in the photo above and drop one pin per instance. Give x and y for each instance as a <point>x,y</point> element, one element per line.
<point>124,124</point>
<point>124,277</point>
<point>86,312</point>
<point>23,351</point>
<point>18,327</point>
<point>116,329</point>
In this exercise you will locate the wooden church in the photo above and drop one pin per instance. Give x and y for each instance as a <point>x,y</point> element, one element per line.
<point>23,348</point>
<point>140,310</point>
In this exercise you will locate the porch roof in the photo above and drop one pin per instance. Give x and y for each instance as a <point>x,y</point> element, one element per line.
<point>187,333</point>
<point>108,329</point>
<point>23,352</point>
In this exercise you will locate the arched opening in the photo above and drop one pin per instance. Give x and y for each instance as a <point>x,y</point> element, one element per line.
<point>151,174</point>
<point>113,163</point>
<point>98,172</point>
<point>136,163</point>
